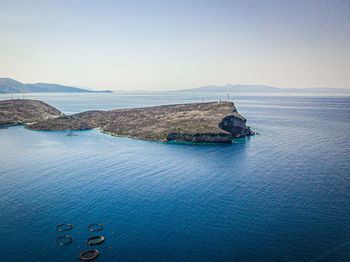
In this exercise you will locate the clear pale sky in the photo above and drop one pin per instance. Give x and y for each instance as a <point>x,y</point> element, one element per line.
<point>167,45</point>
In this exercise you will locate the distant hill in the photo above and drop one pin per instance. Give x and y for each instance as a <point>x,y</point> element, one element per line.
<point>8,85</point>
<point>263,89</point>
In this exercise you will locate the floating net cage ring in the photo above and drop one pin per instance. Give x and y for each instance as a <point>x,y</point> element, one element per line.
<point>63,243</point>
<point>99,227</point>
<point>95,240</point>
<point>64,227</point>
<point>89,254</point>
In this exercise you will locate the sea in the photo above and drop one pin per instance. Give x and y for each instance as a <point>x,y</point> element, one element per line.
<point>282,195</point>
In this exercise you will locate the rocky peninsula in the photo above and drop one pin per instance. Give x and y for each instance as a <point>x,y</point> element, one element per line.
<point>217,122</point>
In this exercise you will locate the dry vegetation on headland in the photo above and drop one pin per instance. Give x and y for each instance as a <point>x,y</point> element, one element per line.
<point>25,111</point>
<point>197,122</point>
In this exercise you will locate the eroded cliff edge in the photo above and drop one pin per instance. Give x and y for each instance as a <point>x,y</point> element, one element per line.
<point>217,122</point>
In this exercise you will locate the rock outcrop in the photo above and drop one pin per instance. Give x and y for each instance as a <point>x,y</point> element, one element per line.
<point>200,137</point>
<point>236,126</point>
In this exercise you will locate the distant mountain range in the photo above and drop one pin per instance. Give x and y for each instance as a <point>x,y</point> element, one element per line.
<point>8,85</point>
<point>263,89</point>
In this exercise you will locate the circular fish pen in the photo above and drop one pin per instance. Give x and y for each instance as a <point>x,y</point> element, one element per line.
<point>64,227</point>
<point>96,240</point>
<point>89,254</point>
<point>64,240</point>
<point>95,227</point>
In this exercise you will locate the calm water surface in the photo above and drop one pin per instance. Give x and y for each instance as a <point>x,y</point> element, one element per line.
<point>281,196</point>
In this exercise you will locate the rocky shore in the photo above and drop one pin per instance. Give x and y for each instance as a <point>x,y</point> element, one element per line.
<point>216,122</point>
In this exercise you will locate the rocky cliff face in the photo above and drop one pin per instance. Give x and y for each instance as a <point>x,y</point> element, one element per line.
<point>236,126</point>
<point>200,137</point>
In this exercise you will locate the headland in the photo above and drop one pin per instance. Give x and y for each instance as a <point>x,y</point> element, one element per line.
<point>216,122</point>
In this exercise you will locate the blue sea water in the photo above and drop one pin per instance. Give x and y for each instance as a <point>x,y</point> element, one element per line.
<point>283,195</point>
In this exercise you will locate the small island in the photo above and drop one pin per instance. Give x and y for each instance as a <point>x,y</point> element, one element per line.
<point>211,122</point>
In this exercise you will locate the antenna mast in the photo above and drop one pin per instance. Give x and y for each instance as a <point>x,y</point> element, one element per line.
<point>228,93</point>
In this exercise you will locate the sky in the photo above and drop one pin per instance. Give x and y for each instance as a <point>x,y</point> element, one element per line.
<point>169,45</point>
